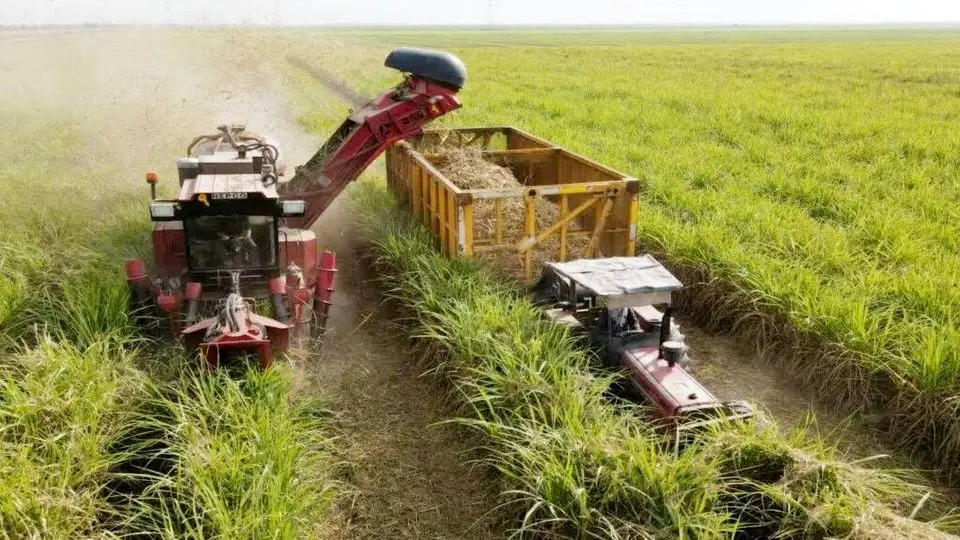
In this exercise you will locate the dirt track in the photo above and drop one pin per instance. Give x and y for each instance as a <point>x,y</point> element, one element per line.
<point>409,475</point>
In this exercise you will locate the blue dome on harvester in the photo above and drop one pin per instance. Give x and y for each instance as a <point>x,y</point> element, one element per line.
<point>438,66</point>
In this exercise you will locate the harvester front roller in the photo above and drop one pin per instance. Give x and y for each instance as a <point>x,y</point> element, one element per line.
<point>323,293</point>
<point>234,327</point>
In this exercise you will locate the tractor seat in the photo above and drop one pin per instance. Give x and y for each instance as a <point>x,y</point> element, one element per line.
<point>648,317</point>
<point>439,66</point>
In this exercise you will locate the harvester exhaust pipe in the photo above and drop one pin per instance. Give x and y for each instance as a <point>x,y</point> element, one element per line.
<point>665,329</point>
<point>324,288</point>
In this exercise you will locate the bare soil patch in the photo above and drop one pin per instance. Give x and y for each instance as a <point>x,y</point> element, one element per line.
<point>410,474</point>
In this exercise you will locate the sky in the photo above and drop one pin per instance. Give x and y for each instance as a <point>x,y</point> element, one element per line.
<point>478,12</point>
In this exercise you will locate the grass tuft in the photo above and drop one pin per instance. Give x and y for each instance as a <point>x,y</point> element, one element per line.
<point>62,407</point>
<point>232,458</point>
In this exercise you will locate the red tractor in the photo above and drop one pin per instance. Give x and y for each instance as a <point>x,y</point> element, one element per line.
<point>620,306</point>
<point>236,238</point>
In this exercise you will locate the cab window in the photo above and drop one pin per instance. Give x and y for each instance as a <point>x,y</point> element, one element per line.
<point>231,242</point>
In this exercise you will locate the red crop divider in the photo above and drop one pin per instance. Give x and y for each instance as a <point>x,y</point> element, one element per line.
<point>324,289</point>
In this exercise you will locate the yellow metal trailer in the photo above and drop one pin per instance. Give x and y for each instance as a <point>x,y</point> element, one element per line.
<point>593,201</point>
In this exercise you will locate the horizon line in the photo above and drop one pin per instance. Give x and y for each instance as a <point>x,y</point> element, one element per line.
<point>473,26</point>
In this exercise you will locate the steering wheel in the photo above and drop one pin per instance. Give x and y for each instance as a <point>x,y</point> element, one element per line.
<point>239,248</point>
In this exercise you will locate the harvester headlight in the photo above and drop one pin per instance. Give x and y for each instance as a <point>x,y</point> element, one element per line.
<point>160,210</point>
<point>293,208</point>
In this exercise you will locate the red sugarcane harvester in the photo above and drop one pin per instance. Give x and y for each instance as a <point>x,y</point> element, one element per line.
<point>237,236</point>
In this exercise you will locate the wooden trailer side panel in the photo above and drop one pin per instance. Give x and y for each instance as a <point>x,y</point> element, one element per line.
<point>594,202</point>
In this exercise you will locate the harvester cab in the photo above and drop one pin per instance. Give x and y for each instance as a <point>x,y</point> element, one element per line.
<point>237,234</point>
<point>622,307</point>
<point>229,206</point>
<point>220,246</point>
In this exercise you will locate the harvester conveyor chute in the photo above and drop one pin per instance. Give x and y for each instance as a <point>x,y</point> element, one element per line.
<point>429,91</point>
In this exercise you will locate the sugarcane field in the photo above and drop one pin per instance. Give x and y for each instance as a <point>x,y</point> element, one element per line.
<point>625,270</point>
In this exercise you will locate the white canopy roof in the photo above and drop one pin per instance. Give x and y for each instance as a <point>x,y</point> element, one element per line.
<point>621,281</point>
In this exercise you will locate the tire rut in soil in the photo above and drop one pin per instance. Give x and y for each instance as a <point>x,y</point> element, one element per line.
<point>411,476</point>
